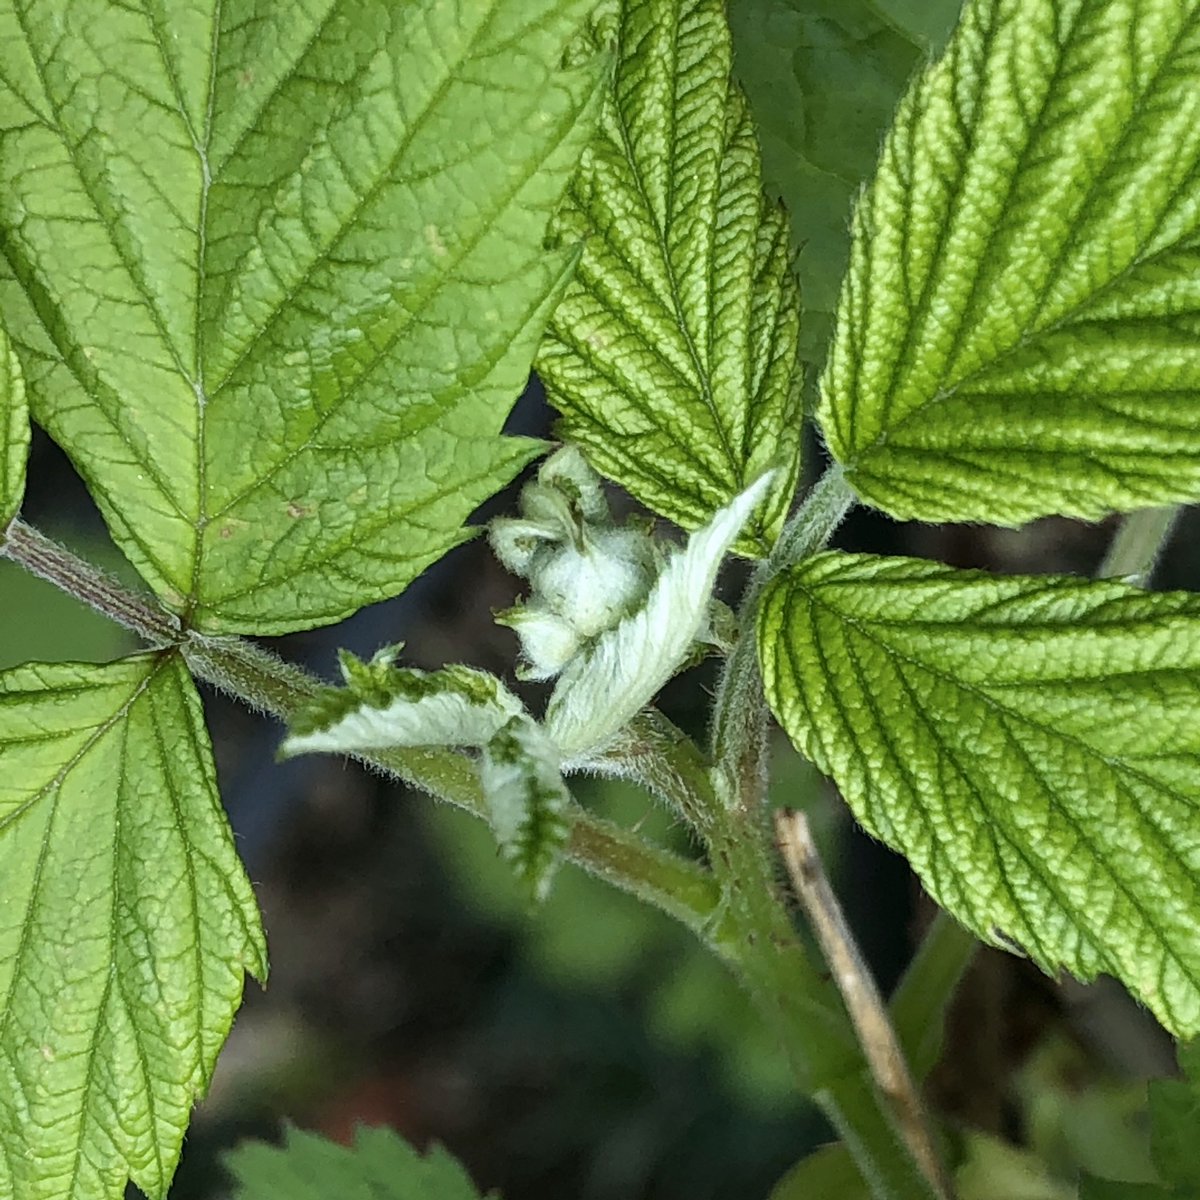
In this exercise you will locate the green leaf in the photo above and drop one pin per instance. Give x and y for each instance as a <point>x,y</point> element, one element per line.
<point>672,354</point>
<point>380,1166</point>
<point>1032,745</point>
<point>527,801</point>
<point>1017,334</point>
<point>276,274</point>
<point>126,927</point>
<point>823,78</point>
<point>14,429</point>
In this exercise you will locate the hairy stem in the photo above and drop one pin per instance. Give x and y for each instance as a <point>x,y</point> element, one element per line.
<point>48,560</point>
<point>756,935</point>
<point>267,683</point>
<point>740,717</point>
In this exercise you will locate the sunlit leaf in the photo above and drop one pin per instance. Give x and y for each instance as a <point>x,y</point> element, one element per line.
<point>1032,745</point>
<point>672,354</point>
<point>1019,331</point>
<point>126,927</point>
<point>276,274</point>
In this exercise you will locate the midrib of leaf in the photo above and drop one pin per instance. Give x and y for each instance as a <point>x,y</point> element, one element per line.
<point>997,822</point>
<point>702,375</point>
<point>701,380</point>
<point>201,147</point>
<point>1033,331</point>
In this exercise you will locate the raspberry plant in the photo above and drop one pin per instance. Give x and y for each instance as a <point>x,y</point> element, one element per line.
<point>273,275</point>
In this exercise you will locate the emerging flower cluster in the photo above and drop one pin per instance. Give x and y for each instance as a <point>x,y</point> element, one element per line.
<point>586,573</point>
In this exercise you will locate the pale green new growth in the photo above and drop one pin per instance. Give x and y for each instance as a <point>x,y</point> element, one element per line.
<point>126,928</point>
<point>527,801</point>
<point>1018,331</point>
<point>605,686</point>
<point>1032,745</point>
<point>381,1165</point>
<point>384,706</point>
<point>585,572</point>
<point>672,354</point>
<point>14,430</point>
<point>276,274</point>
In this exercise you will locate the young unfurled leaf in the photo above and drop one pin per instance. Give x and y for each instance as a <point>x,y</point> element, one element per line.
<point>1032,745</point>
<point>125,931</point>
<point>527,801</point>
<point>823,78</point>
<point>276,274</point>
<point>14,430</point>
<point>384,706</point>
<point>672,354</point>
<point>1017,334</point>
<point>380,1165</point>
<point>619,673</point>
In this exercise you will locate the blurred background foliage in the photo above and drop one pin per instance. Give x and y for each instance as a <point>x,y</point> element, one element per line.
<point>590,1049</point>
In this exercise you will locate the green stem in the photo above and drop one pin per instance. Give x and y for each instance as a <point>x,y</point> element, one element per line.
<point>923,995</point>
<point>1138,545</point>
<point>740,715</point>
<point>802,1005</point>
<point>57,565</point>
<point>756,935</point>
<point>814,523</point>
<point>265,682</point>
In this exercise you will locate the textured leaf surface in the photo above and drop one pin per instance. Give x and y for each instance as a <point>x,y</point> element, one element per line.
<point>14,429</point>
<point>823,78</point>
<point>380,1166</point>
<point>126,926</point>
<point>276,274</point>
<point>672,354</point>
<point>1018,331</point>
<point>1032,745</point>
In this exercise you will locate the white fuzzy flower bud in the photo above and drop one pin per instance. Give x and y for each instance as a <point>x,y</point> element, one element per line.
<point>586,574</point>
<point>595,587</point>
